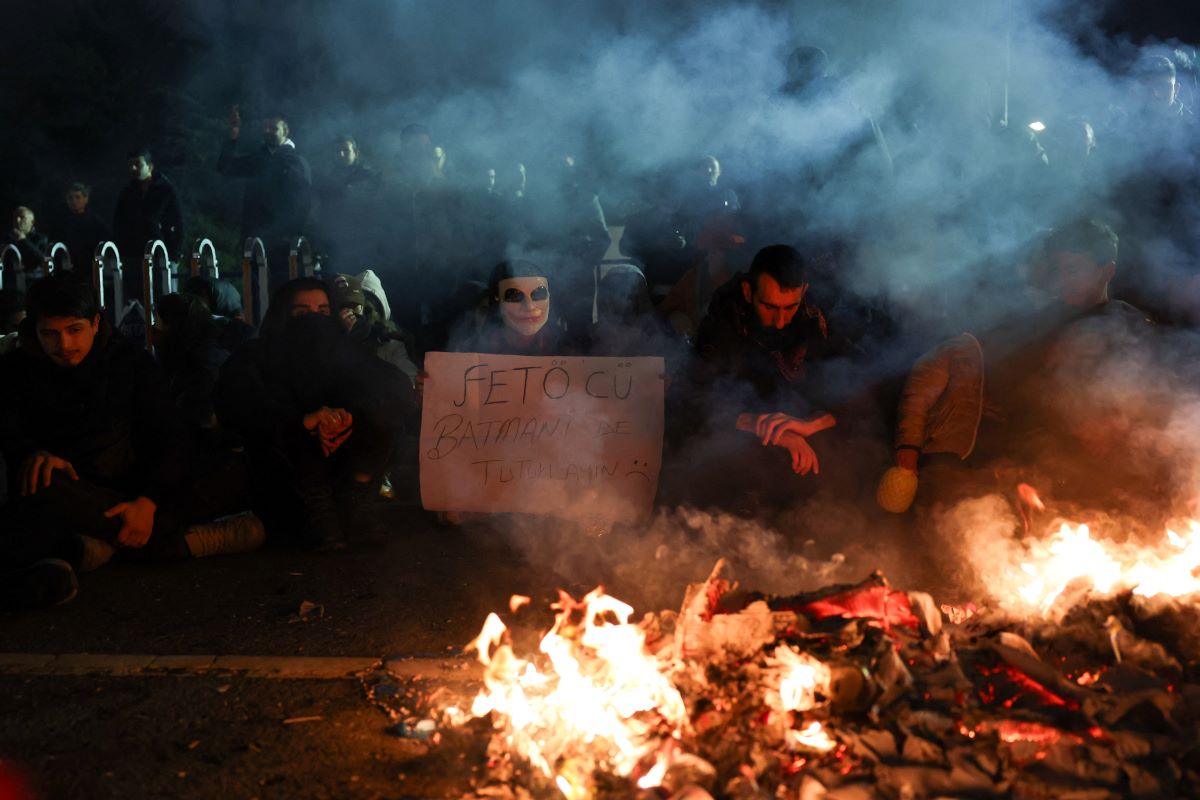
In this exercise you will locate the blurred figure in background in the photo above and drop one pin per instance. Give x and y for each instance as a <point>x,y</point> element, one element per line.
<point>27,239</point>
<point>80,228</point>
<point>278,191</point>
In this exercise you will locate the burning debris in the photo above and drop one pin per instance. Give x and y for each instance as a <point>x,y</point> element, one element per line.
<point>853,691</point>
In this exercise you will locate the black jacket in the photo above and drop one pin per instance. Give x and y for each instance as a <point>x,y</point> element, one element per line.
<point>141,216</point>
<point>33,248</point>
<point>769,368</point>
<point>278,193</point>
<point>81,233</point>
<point>110,416</point>
<point>269,384</point>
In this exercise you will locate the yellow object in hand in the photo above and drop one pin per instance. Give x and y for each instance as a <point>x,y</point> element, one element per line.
<point>897,489</point>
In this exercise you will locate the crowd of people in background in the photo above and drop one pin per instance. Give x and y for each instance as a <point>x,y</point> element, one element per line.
<point>230,432</point>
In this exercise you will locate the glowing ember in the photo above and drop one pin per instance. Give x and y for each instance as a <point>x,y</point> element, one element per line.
<point>1072,556</point>
<point>594,699</point>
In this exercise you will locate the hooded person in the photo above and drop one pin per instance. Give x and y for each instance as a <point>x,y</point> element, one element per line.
<point>224,303</point>
<point>365,324</point>
<point>318,415</point>
<point>626,323</point>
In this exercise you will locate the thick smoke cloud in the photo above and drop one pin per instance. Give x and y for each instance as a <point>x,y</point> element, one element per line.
<point>915,151</point>
<point>938,198</point>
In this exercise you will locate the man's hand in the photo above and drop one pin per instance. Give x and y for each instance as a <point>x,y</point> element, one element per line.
<point>137,521</point>
<point>906,458</point>
<point>235,122</point>
<point>771,428</point>
<point>348,317</point>
<point>804,458</point>
<point>419,387</point>
<point>39,468</point>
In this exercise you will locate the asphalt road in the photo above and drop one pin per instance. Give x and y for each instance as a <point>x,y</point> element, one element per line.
<point>424,594</point>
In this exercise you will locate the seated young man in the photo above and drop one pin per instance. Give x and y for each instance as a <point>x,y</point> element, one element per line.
<point>96,458</point>
<point>318,415</point>
<point>753,353</point>
<point>977,410</point>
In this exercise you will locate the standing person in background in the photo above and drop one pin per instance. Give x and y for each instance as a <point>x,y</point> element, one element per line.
<point>80,228</point>
<point>278,195</point>
<point>350,214</point>
<point>147,209</point>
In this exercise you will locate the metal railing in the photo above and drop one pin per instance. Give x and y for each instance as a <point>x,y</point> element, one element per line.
<point>58,259</point>
<point>204,259</point>
<point>255,280</point>
<point>12,271</point>
<point>301,260</point>
<point>156,274</point>
<point>106,267</point>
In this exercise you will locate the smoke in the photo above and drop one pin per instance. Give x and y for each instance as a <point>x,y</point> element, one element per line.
<point>650,565</point>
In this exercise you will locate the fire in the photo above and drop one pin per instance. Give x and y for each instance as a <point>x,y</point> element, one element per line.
<point>1073,557</point>
<point>804,681</point>
<point>595,698</point>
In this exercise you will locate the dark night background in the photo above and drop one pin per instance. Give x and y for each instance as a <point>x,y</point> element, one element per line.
<point>83,82</point>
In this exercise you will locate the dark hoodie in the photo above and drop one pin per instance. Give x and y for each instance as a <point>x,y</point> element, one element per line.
<point>269,384</point>
<point>110,417</point>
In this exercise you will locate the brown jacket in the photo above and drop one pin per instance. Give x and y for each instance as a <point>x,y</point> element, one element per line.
<point>942,402</point>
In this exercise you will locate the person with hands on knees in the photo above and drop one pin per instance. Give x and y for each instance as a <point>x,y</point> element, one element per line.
<point>755,351</point>
<point>99,460</point>
<point>318,415</point>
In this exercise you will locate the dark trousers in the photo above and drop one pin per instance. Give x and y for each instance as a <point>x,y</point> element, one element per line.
<point>290,475</point>
<point>48,524</point>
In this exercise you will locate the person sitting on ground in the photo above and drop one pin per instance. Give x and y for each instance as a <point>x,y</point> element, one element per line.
<point>185,339</point>
<point>98,460</point>
<point>750,377</point>
<point>626,324</point>
<point>519,319</point>
<point>761,333</point>
<point>364,324</point>
<point>976,402</point>
<point>224,303</point>
<point>32,245</point>
<point>318,416</point>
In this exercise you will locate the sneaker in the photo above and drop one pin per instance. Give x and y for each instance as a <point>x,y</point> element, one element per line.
<point>43,584</point>
<point>95,553</point>
<point>239,533</point>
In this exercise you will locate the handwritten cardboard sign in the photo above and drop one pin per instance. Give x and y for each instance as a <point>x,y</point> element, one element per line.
<point>567,436</point>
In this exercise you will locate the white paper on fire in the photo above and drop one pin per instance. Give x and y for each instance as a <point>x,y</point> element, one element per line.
<point>566,436</point>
